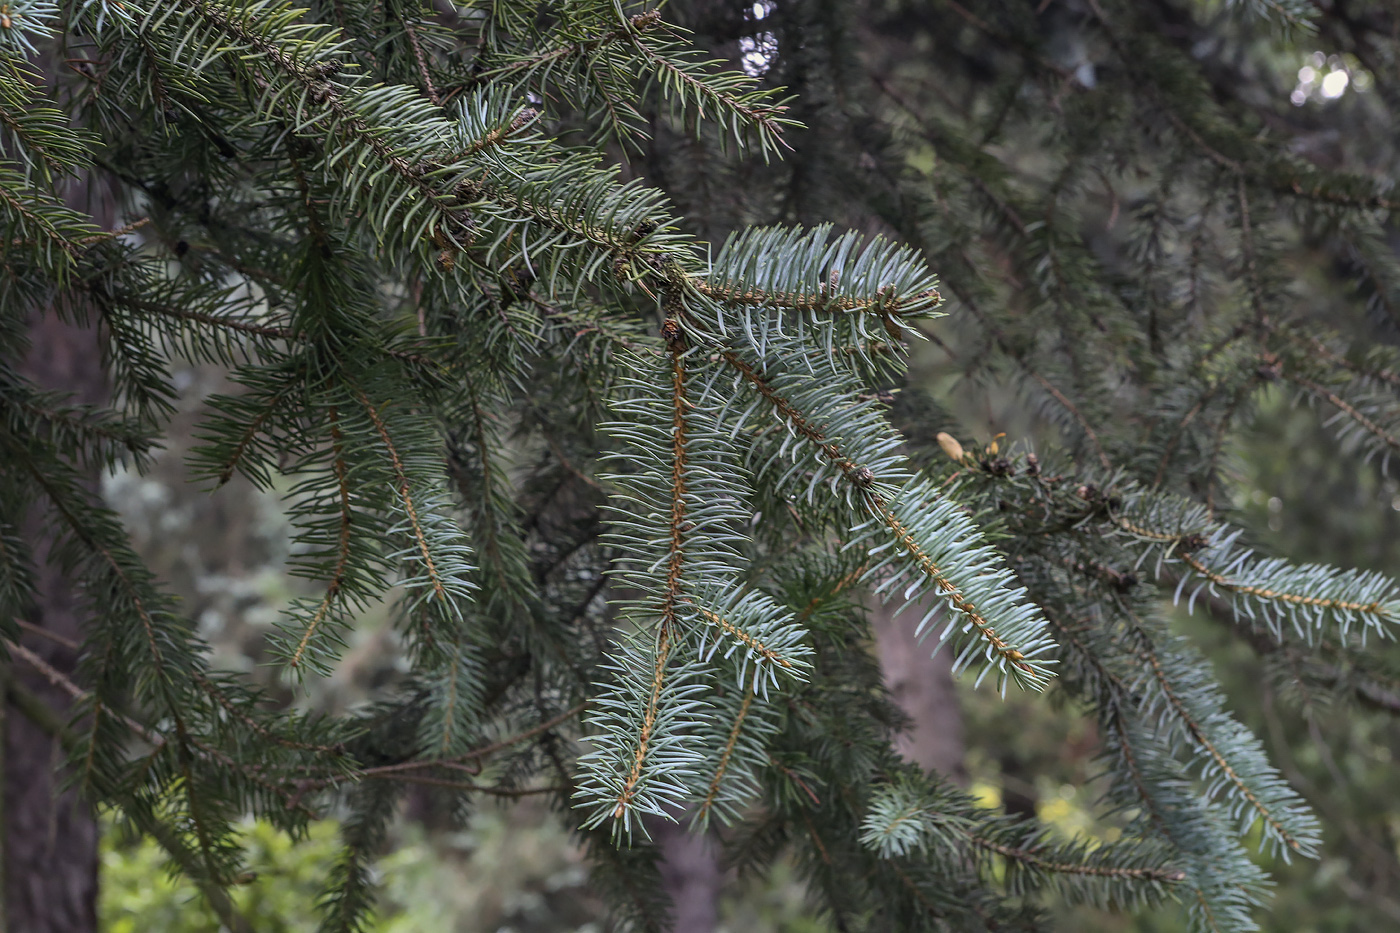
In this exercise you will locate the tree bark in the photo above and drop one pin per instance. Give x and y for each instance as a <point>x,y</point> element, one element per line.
<point>50,835</point>
<point>922,685</point>
<point>691,875</point>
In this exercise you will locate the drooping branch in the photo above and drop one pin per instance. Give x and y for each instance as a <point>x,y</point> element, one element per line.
<point>342,560</point>
<point>406,496</point>
<point>857,475</point>
<point>675,560</point>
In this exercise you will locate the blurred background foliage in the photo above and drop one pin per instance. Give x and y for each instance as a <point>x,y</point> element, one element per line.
<point>515,867</point>
<point>506,871</point>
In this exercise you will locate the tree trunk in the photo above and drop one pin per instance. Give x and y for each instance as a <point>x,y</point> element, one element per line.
<point>923,687</point>
<point>50,835</point>
<point>691,875</point>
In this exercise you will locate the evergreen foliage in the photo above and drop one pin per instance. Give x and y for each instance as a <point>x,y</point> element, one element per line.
<point>623,459</point>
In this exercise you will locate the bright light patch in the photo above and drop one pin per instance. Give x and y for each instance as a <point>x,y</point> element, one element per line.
<point>1327,77</point>
<point>1335,84</point>
<point>757,52</point>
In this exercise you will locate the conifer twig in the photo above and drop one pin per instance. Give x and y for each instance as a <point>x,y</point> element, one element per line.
<point>851,472</point>
<point>1342,405</point>
<point>725,755</point>
<point>1198,734</point>
<point>1297,599</point>
<point>886,306</point>
<point>420,59</point>
<point>39,713</point>
<point>1030,857</point>
<point>486,751</point>
<point>406,496</point>
<point>675,560</point>
<point>342,559</point>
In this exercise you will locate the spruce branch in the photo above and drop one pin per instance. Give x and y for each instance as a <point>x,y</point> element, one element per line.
<point>1151,779</point>
<point>342,560</point>
<point>235,460</point>
<point>638,23</point>
<point>828,286</point>
<point>1367,424</point>
<point>1310,598</point>
<point>744,638</point>
<point>58,679</point>
<point>39,136</point>
<point>1276,822</point>
<point>907,816</point>
<point>731,749</point>
<point>1311,344</point>
<point>1374,608</point>
<point>67,506</point>
<point>901,513</point>
<point>475,755</point>
<point>413,254</point>
<point>421,60</point>
<point>406,497</point>
<point>1037,860</point>
<point>702,813</point>
<point>666,626</point>
<point>715,97</point>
